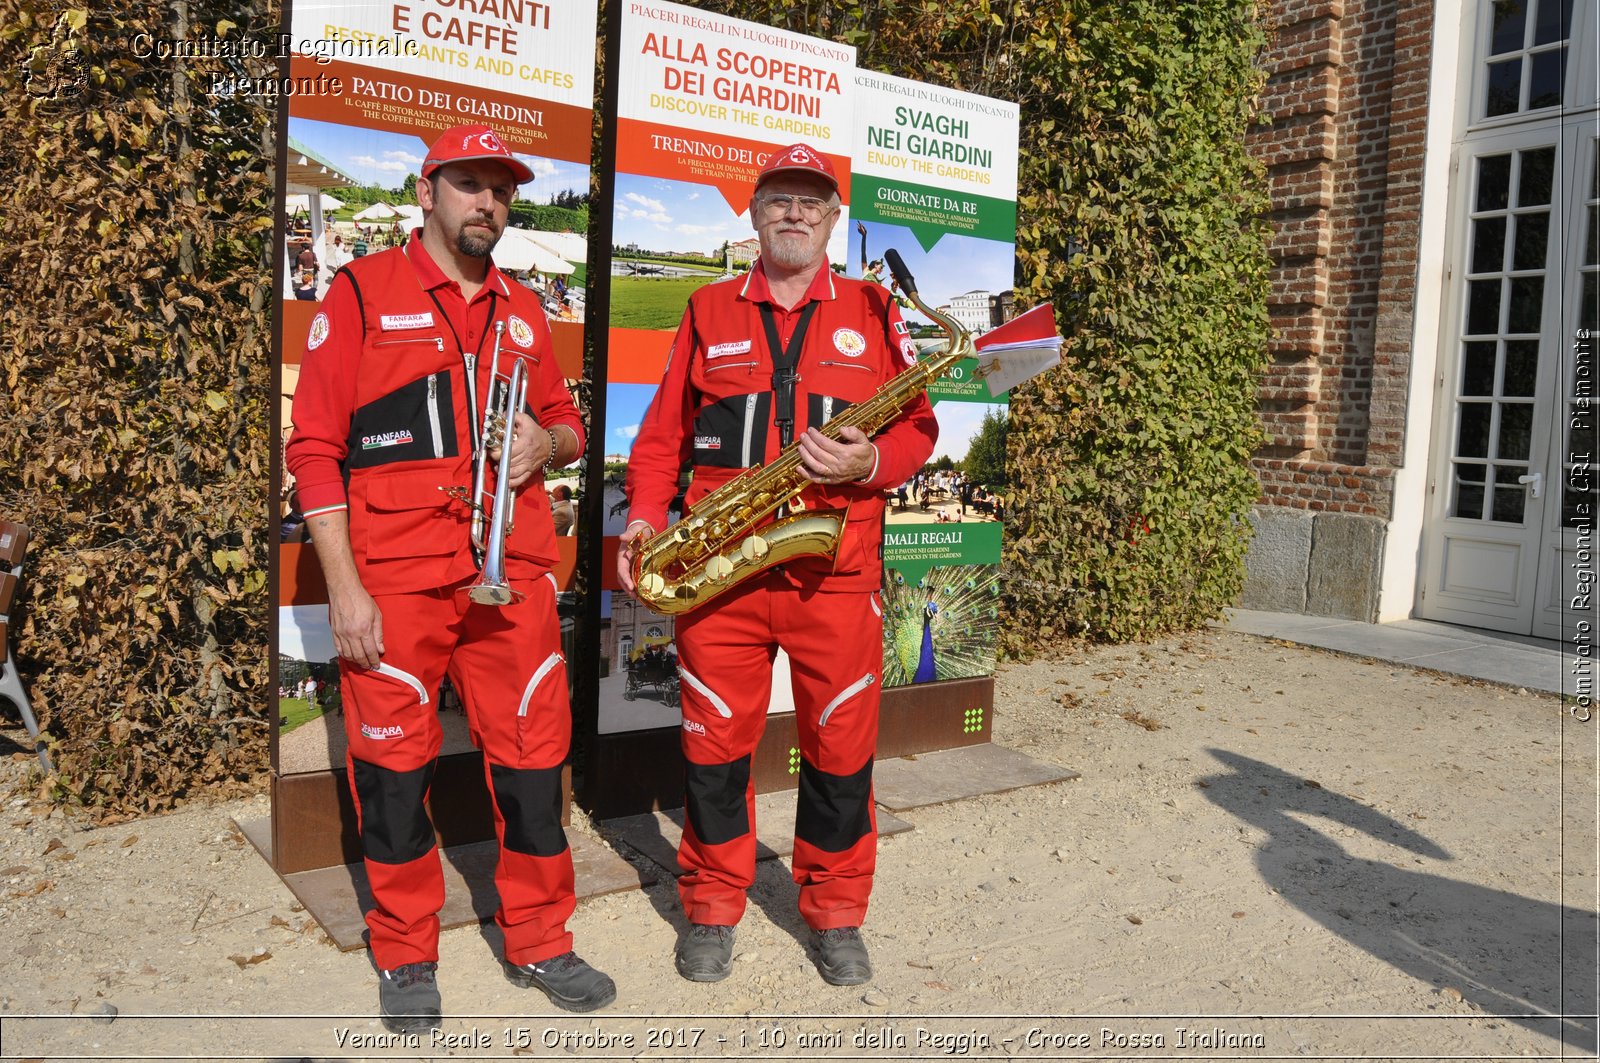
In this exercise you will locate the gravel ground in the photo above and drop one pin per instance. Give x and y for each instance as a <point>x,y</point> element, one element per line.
<point>1272,852</point>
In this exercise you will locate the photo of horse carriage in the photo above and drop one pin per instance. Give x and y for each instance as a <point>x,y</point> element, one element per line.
<point>653,672</point>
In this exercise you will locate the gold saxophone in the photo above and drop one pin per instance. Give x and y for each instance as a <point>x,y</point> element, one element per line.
<point>719,545</point>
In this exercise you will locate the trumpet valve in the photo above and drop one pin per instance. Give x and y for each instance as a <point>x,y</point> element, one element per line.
<point>494,432</point>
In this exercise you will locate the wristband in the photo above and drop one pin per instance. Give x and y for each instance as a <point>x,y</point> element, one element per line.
<point>550,462</point>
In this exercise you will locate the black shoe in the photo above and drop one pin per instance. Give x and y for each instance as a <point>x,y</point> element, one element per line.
<point>705,953</point>
<point>408,998</point>
<point>569,982</point>
<point>842,956</point>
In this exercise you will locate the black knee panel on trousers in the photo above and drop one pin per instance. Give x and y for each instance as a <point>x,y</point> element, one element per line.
<point>529,800</point>
<point>714,796</point>
<point>832,813</point>
<point>395,828</point>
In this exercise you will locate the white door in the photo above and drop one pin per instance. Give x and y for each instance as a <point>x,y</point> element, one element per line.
<point>1506,489</point>
<point>1566,592</point>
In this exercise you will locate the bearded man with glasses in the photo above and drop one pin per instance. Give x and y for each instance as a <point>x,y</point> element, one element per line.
<point>759,362</point>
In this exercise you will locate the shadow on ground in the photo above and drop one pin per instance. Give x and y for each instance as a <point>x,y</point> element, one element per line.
<point>1511,956</point>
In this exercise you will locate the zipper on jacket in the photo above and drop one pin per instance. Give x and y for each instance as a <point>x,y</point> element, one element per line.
<point>433,415</point>
<point>749,428</point>
<point>848,365</point>
<point>470,360</point>
<point>749,367</point>
<point>437,341</point>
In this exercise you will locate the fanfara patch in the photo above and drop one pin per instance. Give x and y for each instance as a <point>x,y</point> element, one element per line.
<point>849,342</point>
<point>521,331</point>
<point>721,350</point>
<point>396,322</point>
<point>382,734</point>
<point>387,439</point>
<point>319,332</point>
<point>708,442</point>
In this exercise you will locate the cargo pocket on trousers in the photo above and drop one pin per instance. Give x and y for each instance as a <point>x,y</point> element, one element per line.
<point>536,723</point>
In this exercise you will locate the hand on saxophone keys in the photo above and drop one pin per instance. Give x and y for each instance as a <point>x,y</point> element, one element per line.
<point>848,459</point>
<point>632,536</point>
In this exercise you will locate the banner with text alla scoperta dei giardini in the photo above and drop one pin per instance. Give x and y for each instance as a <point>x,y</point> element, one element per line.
<point>934,177</point>
<point>702,101</point>
<point>395,74</point>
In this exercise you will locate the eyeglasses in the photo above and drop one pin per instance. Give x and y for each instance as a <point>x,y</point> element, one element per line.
<point>812,209</point>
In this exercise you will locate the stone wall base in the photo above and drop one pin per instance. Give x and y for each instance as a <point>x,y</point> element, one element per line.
<point>1318,564</point>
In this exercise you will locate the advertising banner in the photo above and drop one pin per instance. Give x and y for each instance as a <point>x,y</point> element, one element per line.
<point>934,177</point>
<point>383,79</point>
<point>702,102</point>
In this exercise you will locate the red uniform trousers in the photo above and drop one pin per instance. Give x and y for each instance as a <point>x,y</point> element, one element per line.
<point>506,664</point>
<point>726,649</point>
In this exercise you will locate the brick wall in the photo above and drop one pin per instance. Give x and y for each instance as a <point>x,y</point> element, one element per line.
<point>1347,102</point>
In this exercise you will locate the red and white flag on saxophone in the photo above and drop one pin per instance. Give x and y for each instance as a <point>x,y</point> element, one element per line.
<point>1019,350</point>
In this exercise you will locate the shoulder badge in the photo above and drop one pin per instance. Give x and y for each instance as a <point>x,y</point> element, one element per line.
<point>849,342</point>
<point>319,332</point>
<point>521,331</point>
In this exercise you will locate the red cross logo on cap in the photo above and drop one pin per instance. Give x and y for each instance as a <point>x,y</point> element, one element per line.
<point>799,154</point>
<point>489,141</point>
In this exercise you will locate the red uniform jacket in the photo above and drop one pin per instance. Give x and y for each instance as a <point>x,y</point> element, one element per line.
<point>384,418</point>
<point>714,409</point>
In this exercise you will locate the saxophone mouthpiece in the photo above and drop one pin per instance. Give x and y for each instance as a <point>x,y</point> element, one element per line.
<point>902,276</point>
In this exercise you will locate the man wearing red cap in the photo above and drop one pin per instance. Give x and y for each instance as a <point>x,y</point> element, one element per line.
<point>757,362</point>
<point>387,417</point>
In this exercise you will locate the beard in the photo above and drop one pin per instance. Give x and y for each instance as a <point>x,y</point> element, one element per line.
<point>475,243</point>
<point>793,253</point>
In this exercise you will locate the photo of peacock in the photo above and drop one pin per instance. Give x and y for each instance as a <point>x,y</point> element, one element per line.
<point>941,625</point>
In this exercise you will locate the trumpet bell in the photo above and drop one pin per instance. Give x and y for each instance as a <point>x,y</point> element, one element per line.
<point>491,594</point>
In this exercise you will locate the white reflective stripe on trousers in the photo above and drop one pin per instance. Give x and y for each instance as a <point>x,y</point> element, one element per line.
<point>405,677</point>
<point>845,695</point>
<point>538,677</point>
<point>710,695</point>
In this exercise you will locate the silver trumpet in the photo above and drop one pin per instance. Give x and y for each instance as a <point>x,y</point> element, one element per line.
<point>495,509</point>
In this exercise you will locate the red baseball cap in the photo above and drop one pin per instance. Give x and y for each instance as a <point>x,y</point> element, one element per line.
<point>798,158</point>
<point>467,143</point>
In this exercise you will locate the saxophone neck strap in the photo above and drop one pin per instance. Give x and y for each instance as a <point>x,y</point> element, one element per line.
<point>784,362</point>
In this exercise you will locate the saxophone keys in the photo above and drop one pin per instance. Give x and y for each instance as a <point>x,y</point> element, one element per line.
<point>652,586</point>
<point>754,548</point>
<point>718,569</point>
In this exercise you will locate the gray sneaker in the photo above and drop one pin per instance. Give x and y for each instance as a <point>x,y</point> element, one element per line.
<point>569,982</point>
<point>408,998</point>
<point>842,956</point>
<point>705,953</point>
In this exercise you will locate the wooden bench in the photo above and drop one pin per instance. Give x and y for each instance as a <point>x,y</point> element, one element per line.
<point>13,546</point>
